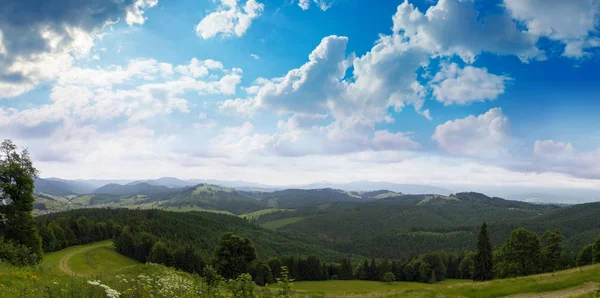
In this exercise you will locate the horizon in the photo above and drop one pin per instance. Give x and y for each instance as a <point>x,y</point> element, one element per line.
<point>296,92</point>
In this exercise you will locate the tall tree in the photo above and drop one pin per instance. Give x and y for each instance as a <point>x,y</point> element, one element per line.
<point>234,255</point>
<point>483,257</point>
<point>596,251</point>
<point>16,197</point>
<point>551,251</point>
<point>520,254</point>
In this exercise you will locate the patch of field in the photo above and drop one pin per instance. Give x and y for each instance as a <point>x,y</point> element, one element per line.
<point>259,213</point>
<point>87,260</point>
<point>579,282</point>
<point>193,208</point>
<point>210,189</point>
<point>82,199</point>
<point>429,198</point>
<point>276,224</point>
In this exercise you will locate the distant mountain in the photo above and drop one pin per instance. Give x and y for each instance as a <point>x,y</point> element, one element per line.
<point>239,184</point>
<point>214,197</point>
<point>141,188</point>
<point>295,198</point>
<point>55,188</point>
<point>375,186</point>
<point>77,186</point>
<point>170,182</point>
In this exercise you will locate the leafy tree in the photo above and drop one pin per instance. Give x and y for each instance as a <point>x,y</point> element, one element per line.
<point>389,277</point>
<point>552,249</point>
<point>483,257</point>
<point>520,254</point>
<point>435,262</point>
<point>467,266</point>
<point>234,255</point>
<point>242,286</point>
<point>373,271</point>
<point>125,243</point>
<point>16,198</point>
<point>425,272</point>
<point>345,269</point>
<point>261,273</point>
<point>596,251</point>
<point>212,279</point>
<point>160,254</point>
<point>584,257</point>
<point>275,264</point>
<point>286,286</point>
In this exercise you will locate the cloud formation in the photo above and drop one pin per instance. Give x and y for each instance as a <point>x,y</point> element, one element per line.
<point>486,135</point>
<point>36,44</point>
<point>455,85</point>
<point>229,19</point>
<point>570,22</point>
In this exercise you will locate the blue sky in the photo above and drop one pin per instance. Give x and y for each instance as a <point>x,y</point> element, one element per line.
<point>449,92</point>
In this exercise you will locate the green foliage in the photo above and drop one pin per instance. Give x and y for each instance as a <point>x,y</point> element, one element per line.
<point>389,277</point>
<point>520,255</point>
<point>17,175</point>
<point>483,257</point>
<point>596,251</point>
<point>234,255</point>
<point>242,286</point>
<point>285,283</point>
<point>467,266</point>
<point>16,254</point>
<point>585,256</point>
<point>552,250</point>
<point>212,279</point>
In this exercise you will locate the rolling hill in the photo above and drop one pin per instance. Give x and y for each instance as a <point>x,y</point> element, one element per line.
<point>141,188</point>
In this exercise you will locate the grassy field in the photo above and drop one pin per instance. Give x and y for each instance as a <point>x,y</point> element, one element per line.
<point>259,213</point>
<point>87,260</point>
<point>276,224</point>
<point>77,271</point>
<point>579,282</point>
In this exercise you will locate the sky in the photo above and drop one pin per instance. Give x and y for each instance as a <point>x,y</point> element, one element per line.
<point>451,92</point>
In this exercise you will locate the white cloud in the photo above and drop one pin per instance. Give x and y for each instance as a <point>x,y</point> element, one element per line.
<point>570,22</point>
<point>256,57</point>
<point>385,140</point>
<point>49,43</point>
<point>455,85</point>
<point>322,4</point>
<point>229,19</point>
<point>485,135</point>
<point>550,148</point>
<point>559,157</point>
<point>453,27</point>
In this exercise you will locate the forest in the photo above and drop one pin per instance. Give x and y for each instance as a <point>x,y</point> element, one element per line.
<point>387,239</point>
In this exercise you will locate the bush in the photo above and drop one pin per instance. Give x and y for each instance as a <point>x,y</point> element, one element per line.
<point>389,277</point>
<point>16,254</point>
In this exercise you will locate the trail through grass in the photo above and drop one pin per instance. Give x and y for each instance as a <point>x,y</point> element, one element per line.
<point>87,260</point>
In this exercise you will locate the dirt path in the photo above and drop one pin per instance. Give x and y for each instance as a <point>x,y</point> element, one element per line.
<point>586,288</point>
<point>63,265</point>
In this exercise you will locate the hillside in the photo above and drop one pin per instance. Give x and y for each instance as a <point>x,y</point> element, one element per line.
<point>203,230</point>
<point>55,188</point>
<point>141,188</point>
<point>402,226</point>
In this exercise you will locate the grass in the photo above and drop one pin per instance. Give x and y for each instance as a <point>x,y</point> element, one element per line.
<point>277,224</point>
<point>579,282</point>
<point>192,208</point>
<point>259,213</point>
<point>90,259</point>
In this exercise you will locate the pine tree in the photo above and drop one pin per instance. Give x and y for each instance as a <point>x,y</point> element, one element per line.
<point>483,257</point>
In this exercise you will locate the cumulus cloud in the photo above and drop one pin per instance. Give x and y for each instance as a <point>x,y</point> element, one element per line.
<point>322,4</point>
<point>140,90</point>
<point>385,140</point>
<point>38,41</point>
<point>229,19</point>
<point>570,22</point>
<point>256,57</point>
<point>455,85</point>
<point>550,148</point>
<point>485,135</point>
<point>563,158</point>
<point>453,27</point>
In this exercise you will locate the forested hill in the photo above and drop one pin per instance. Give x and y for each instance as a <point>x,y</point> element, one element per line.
<point>200,230</point>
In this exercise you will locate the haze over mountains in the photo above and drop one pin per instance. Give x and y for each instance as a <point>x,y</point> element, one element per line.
<point>65,187</point>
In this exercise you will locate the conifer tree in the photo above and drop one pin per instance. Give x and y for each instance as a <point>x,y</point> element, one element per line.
<point>483,258</point>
